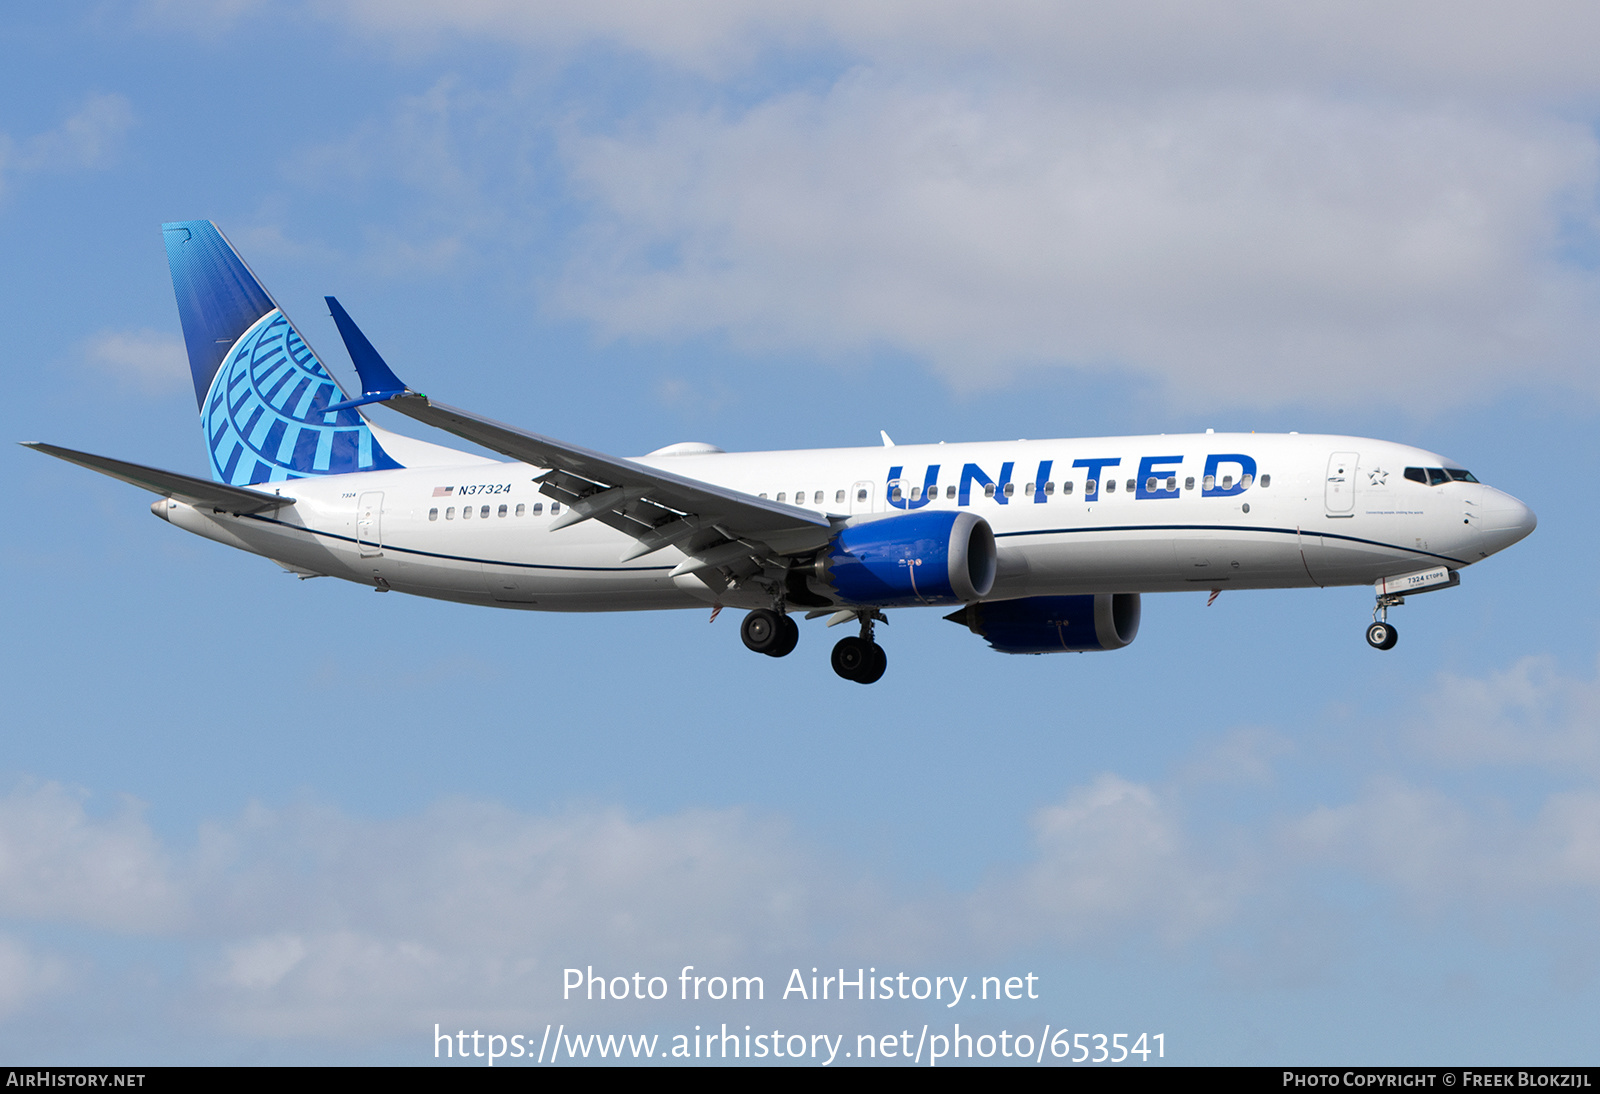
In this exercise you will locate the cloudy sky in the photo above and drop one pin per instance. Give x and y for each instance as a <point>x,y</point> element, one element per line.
<point>249,819</point>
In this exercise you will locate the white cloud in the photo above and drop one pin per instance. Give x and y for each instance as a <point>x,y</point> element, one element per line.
<point>148,359</point>
<point>1441,852</point>
<point>88,139</point>
<point>1242,204</point>
<point>1111,858</point>
<point>1236,249</point>
<point>1528,714</point>
<point>1537,48</point>
<point>26,976</point>
<point>308,923</point>
<point>59,864</point>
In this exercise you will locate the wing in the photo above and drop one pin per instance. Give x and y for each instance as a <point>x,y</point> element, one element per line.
<point>199,492</point>
<point>728,535</point>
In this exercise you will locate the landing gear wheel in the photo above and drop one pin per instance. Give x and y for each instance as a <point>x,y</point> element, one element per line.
<point>849,655</point>
<point>859,660</point>
<point>1382,636</point>
<point>762,631</point>
<point>873,671</point>
<point>788,637</point>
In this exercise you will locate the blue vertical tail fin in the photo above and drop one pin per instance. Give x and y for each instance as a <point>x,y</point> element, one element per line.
<point>263,393</point>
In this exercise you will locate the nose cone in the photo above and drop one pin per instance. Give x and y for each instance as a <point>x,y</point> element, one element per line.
<point>1505,521</point>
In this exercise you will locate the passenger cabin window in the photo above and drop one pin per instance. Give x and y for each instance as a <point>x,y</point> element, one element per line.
<point>895,494</point>
<point>433,514</point>
<point>1208,483</point>
<point>916,493</point>
<point>838,499</point>
<point>861,494</point>
<point>1089,487</point>
<point>783,495</point>
<point>484,512</point>
<point>1266,481</point>
<point>521,509</point>
<point>1111,486</point>
<point>1131,485</point>
<point>466,512</point>
<point>817,499</point>
<point>1246,480</point>
<point>1150,485</point>
<point>761,495</point>
<point>503,511</point>
<point>949,492</point>
<point>1172,483</point>
<point>555,507</point>
<point>1188,483</point>
<point>1066,487</point>
<point>1227,482</point>
<point>538,507</point>
<point>988,491</point>
<point>1049,488</point>
<point>1011,488</point>
<point>450,513</point>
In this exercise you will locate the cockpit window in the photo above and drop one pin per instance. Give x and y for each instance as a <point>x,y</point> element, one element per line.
<point>1435,476</point>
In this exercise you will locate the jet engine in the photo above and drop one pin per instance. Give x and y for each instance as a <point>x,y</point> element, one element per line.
<point>1054,624</point>
<point>917,558</point>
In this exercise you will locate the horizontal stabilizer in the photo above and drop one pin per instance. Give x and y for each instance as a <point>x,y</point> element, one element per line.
<point>198,492</point>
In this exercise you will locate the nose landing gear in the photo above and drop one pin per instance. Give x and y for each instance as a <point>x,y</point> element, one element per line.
<point>1382,635</point>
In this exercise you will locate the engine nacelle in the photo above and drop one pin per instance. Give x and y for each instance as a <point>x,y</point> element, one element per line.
<point>918,558</point>
<point>1054,624</point>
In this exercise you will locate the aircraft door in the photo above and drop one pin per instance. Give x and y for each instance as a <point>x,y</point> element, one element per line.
<point>369,523</point>
<point>863,498</point>
<point>1340,496</point>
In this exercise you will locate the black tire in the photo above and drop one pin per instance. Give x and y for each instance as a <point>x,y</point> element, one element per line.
<point>851,656</point>
<point>761,630</point>
<point>788,637</point>
<point>872,671</point>
<point>1382,636</point>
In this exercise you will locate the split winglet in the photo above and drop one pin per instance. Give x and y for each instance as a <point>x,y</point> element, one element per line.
<point>378,381</point>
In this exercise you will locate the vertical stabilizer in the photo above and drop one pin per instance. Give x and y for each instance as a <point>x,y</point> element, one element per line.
<point>262,392</point>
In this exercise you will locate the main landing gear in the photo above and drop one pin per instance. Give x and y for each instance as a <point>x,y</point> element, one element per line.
<point>1382,634</point>
<point>861,659</point>
<point>775,634</point>
<point>769,632</point>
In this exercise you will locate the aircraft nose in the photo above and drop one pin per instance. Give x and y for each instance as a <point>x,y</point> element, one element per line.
<point>1505,521</point>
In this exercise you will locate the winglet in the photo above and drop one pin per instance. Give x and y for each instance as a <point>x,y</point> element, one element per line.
<point>378,381</point>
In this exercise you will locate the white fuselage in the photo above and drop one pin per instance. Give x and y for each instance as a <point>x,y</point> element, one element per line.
<point>1314,511</point>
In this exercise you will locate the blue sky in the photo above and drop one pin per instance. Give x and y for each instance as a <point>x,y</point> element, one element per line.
<point>249,819</point>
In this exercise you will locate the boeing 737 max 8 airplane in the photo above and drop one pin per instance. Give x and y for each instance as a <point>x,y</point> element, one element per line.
<point>1038,546</point>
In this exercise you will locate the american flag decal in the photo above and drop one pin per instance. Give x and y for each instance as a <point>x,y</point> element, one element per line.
<point>443,491</point>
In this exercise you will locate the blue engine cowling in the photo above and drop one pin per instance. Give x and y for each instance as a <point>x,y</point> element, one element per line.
<point>1054,624</point>
<point>918,558</point>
